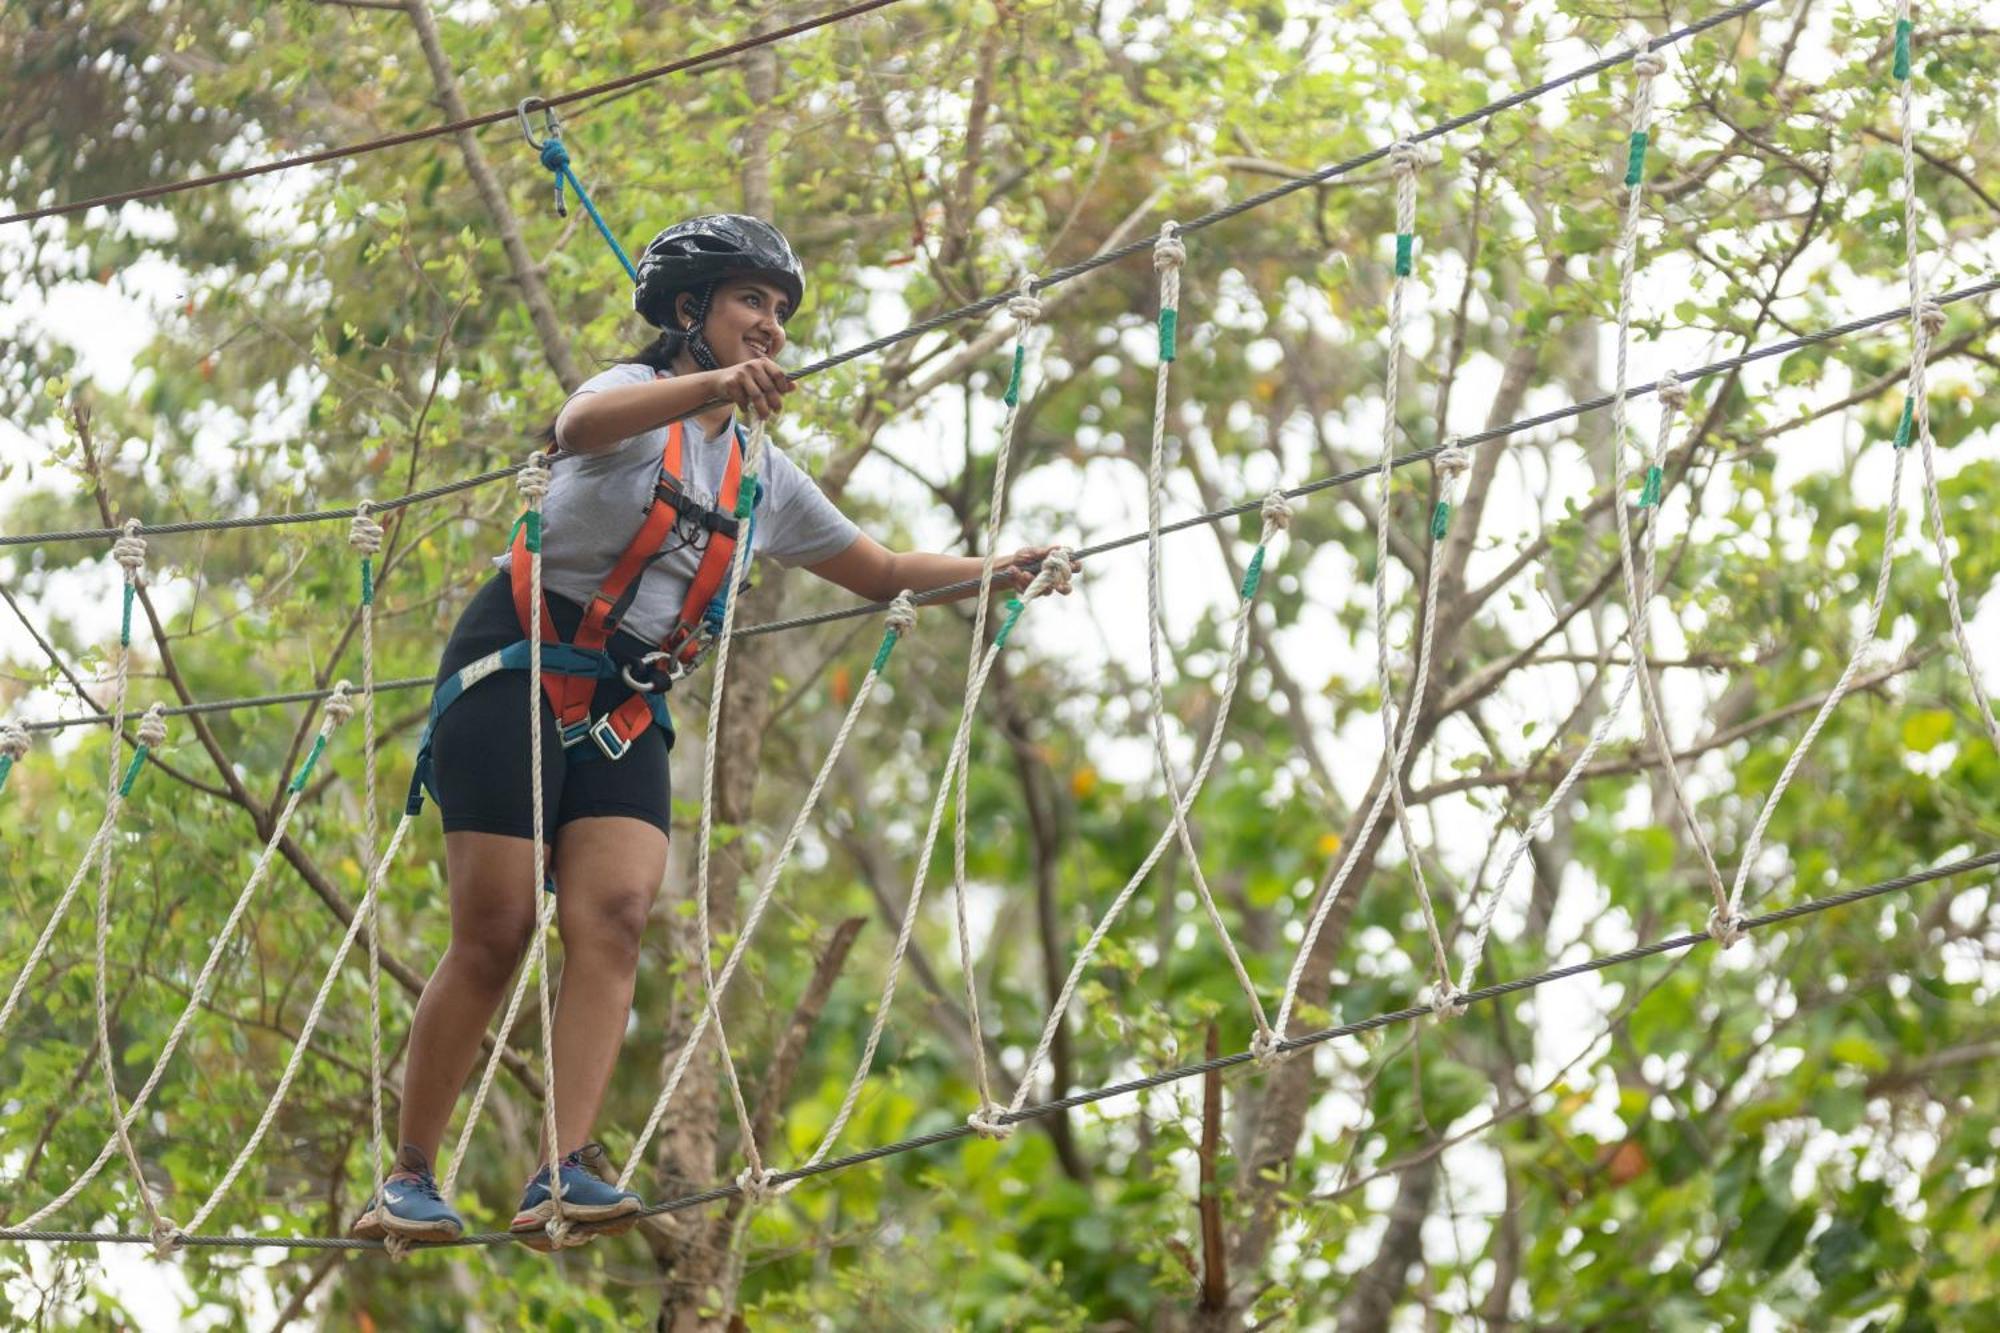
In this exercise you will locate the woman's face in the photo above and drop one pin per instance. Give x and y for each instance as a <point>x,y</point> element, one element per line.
<point>745,320</point>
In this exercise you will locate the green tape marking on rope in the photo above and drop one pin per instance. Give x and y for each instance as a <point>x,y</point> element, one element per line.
<point>1254,575</point>
<point>1635,161</point>
<point>1649,494</point>
<point>132,771</point>
<point>531,520</point>
<point>367,581</point>
<point>1169,326</point>
<point>6,767</point>
<point>889,638</point>
<point>1902,48</point>
<point>746,497</point>
<point>1405,246</point>
<point>1013,395</point>
<point>1014,608</point>
<point>1440,520</point>
<point>125,627</point>
<point>1909,417</point>
<point>298,784</point>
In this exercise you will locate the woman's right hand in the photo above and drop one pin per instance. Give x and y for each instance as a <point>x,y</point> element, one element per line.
<point>758,385</point>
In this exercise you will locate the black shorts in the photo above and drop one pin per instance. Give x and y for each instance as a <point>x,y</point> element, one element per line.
<point>479,752</point>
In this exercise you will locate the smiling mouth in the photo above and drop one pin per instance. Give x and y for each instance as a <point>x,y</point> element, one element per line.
<point>758,345</point>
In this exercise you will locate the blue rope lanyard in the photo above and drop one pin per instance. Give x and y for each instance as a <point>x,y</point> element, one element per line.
<point>555,157</point>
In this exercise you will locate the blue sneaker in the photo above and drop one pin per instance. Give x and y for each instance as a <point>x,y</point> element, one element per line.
<point>585,1198</point>
<point>409,1205</point>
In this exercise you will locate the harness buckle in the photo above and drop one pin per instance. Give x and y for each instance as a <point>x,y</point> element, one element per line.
<point>609,741</point>
<point>576,733</point>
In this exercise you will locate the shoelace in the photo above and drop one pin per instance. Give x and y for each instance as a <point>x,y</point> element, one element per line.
<point>426,1184</point>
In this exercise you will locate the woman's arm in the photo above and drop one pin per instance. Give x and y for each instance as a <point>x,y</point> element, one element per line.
<point>869,569</point>
<point>593,422</point>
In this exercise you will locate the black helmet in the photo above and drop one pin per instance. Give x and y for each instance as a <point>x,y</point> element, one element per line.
<point>696,254</point>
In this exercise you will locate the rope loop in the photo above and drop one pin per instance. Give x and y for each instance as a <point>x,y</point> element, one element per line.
<point>1672,392</point>
<point>1169,252</point>
<point>902,615</point>
<point>1405,157</point>
<point>14,740</point>
<point>1024,305</point>
<point>562,1234</point>
<point>1276,511</point>
<point>152,727</point>
<point>1057,568</point>
<point>1267,1049</point>
<point>987,1124</point>
<point>1725,930</point>
<point>1446,1000</point>
<point>168,1239</point>
<point>1451,462</point>
<point>1930,317</point>
<point>396,1247</point>
<point>130,548</point>
<point>364,534</point>
<point>554,156</point>
<point>339,704</point>
<point>1649,65</point>
<point>760,1185</point>
<point>533,479</point>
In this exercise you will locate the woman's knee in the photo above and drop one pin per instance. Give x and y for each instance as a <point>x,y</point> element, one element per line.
<point>489,947</point>
<point>609,926</point>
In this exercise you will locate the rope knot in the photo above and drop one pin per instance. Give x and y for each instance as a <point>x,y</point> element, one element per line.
<point>167,1238</point>
<point>130,548</point>
<point>339,704</point>
<point>1672,392</point>
<point>1446,1000</point>
<point>1451,462</point>
<point>561,1233</point>
<point>554,156</point>
<point>364,534</point>
<point>1649,65</point>
<point>902,615</point>
<point>1057,567</point>
<point>987,1124</point>
<point>1168,252</point>
<point>396,1247</point>
<point>1725,931</point>
<point>533,479</point>
<point>759,1185</point>
<point>1405,157</point>
<point>14,740</point>
<point>1276,511</point>
<point>1024,305</point>
<point>153,727</point>
<point>1267,1049</point>
<point>1930,317</point>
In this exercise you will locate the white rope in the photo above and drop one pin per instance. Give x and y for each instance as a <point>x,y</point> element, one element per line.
<point>1054,575</point>
<point>364,534</point>
<point>1450,466</point>
<point>336,711</point>
<point>901,618</point>
<point>1925,312</point>
<point>362,916</point>
<point>1638,589</point>
<point>1277,516</point>
<point>1025,309</point>
<point>1169,255</point>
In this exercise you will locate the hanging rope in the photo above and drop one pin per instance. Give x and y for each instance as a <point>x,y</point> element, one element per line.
<point>1451,463</point>
<point>1169,256</point>
<point>364,535</point>
<point>555,157</point>
<point>1025,309</point>
<point>338,709</point>
<point>1916,404</point>
<point>1277,516</point>
<point>902,618</point>
<point>13,745</point>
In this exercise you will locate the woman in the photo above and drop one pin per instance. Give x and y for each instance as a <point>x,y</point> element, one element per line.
<point>639,519</point>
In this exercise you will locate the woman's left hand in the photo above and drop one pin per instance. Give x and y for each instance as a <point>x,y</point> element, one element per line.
<point>1020,568</point>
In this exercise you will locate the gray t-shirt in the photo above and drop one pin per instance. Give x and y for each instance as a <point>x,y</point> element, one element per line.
<point>596,503</point>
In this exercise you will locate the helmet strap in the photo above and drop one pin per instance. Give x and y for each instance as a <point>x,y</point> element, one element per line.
<point>697,342</point>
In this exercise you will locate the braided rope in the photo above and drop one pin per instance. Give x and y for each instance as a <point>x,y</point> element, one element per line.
<point>337,710</point>
<point>753,462</point>
<point>1918,412</point>
<point>1025,309</point>
<point>1169,256</point>
<point>902,618</point>
<point>1054,574</point>
<point>364,534</point>
<point>1277,517</point>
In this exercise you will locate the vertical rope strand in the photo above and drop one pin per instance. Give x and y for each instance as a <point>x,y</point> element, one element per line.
<point>364,534</point>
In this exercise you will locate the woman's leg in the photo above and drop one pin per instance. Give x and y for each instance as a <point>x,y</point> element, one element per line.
<point>492,921</point>
<point>608,870</point>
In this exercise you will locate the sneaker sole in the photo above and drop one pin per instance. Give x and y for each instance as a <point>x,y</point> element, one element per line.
<point>612,1219</point>
<point>421,1231</point>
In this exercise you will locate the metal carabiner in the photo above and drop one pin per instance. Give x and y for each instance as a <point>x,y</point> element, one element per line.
<point>650,686</point>
<point>552,128</point>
